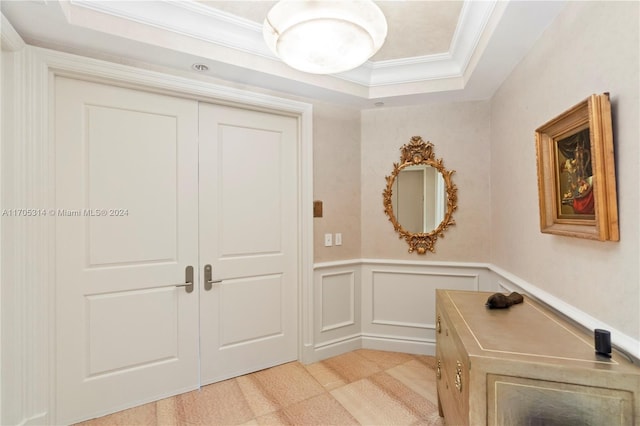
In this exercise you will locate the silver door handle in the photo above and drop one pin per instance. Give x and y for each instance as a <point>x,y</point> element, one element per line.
<point>208,282</point>
<point>188,278</point>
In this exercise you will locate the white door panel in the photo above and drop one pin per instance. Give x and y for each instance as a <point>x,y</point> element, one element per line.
<point>116,179</point>
<point>249,213</point>
<point>239,326</point>
<point>126,230</point>
<point>248,234</point>
<point>114,340</point>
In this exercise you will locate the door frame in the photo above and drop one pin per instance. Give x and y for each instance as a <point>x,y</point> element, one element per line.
<point>27,176</point>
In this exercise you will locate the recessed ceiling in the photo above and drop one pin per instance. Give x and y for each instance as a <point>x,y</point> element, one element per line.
<point>416,28</point>
<point>435,50</point>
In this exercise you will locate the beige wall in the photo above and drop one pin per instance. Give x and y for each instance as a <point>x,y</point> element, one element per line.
<point>336,180</point>
<point>460,134</point>
<point>592,47</point>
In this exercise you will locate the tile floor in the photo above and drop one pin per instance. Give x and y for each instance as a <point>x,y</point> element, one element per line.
<point>365,387</point>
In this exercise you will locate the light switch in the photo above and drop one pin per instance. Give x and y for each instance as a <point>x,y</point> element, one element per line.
<point>328,240</point>
<point>338,239</point>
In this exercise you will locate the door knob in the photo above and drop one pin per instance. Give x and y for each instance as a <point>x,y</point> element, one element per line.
<point>208,281</point>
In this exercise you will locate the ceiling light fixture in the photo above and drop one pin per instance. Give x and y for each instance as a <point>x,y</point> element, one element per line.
<point>325,37</point>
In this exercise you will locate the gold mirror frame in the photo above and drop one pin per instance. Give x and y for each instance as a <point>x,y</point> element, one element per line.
<point>414,153</point>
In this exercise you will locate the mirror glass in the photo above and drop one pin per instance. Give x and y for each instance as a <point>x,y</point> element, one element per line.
<point>420,198</point>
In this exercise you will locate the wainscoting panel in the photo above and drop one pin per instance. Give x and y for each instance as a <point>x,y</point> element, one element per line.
<point>337,309</point>
<point>384,304</point>
<point>398,298</point>
<point>337,300</point>
<point>398,302</point>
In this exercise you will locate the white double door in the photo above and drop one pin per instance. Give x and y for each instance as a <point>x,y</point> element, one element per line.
<point>150,187</point>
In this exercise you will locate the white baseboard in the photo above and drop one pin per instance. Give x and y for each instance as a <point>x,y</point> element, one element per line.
<point>394,344</point>
<point>369,341</point>
<point>336,347</point>
<point>37,420</point>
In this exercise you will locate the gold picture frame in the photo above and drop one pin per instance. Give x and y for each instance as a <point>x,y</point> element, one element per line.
<point>576,172</point>
<point>420,153</point>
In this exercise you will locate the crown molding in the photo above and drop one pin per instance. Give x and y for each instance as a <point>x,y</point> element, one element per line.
<point>11,40</point>
<point>185,17</point>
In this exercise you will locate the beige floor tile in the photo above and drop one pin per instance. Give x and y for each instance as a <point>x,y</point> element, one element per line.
<point>293,394</point>
<point>167,412</point>
<point>141,415</point>
<point>259,400</point>
<point>221,403</point>
<point>287,384</point>
<point>327,377</point>
<point>433,419</point>
<point>273,419</point>
<point>351,366</point>
<point>371,405</point>
<point>319,410</point>
<point>417,404</point>
<point>385,359</point>
<point>418,377</point>
<point>427,360</point>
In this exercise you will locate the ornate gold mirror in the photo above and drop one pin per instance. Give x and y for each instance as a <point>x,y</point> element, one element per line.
<point>420,198</point>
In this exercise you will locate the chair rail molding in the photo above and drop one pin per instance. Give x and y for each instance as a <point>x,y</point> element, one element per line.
<point>509,282</point>
<point>28,246</point>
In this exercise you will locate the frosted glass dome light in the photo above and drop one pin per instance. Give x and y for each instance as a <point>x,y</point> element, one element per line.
<point>325,37</point>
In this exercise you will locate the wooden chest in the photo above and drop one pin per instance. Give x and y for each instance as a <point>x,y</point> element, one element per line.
<point>525,365</point>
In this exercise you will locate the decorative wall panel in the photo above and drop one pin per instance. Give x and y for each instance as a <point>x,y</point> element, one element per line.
<point>398,298</point>
<point>338,303</point>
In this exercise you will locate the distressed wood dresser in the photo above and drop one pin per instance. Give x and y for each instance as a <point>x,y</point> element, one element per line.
<point>526,365</point>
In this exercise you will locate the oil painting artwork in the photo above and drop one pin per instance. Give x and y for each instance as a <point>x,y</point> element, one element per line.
<point>573,163</point>
<point>576,172</point>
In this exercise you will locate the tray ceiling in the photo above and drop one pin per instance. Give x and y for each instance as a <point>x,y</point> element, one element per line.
<point>435,50</point>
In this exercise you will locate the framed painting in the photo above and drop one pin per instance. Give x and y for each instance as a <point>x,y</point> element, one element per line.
<point>576,172</point>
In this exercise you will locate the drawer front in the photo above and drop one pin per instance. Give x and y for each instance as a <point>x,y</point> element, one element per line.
<point>520,400</point>
<point>452,373</point>
<point>450,401</point>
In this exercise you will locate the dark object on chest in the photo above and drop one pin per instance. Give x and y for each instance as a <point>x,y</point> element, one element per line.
<point>501,301</point>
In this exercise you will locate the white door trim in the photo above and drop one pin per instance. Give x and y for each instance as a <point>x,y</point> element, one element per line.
<point>28,175</point>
